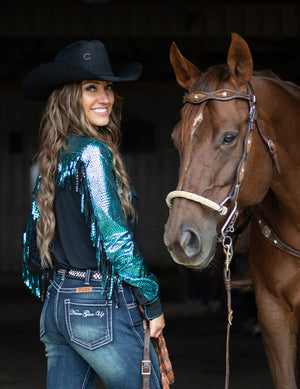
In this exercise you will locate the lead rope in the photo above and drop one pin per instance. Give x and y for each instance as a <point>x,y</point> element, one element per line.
<point>227,281</point>
<point>226,233</point>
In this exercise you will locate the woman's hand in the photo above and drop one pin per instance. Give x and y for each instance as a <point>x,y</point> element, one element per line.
<point>156,326</point>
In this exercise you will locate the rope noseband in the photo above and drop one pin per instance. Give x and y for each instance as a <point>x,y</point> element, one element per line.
<point>199,199</point>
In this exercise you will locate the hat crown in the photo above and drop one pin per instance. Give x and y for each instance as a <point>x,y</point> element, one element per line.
<point>89,55</point>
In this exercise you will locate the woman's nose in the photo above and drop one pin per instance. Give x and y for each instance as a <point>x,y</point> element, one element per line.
<point>102,96</point>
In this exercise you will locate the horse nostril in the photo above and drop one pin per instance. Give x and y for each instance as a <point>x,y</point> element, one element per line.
<point>190,242</point>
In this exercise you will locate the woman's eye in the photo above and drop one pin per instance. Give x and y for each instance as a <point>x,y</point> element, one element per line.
<point>95,88</point>
<point>90,88</point>
<point>229,138</point>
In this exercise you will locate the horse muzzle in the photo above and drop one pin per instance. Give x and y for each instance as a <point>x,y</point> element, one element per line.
<point>189,247</point>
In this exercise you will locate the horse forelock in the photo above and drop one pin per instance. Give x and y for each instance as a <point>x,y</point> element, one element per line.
<point>192,114</point>
<point>212,79</point>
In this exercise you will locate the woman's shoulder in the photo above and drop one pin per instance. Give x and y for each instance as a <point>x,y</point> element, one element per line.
<point>86,147</point>
<point>80,153</point>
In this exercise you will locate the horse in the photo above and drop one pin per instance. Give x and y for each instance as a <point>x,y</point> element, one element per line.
<point>238,140</point>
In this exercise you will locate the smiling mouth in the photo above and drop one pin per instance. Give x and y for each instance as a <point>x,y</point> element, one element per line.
<point>100,110</point>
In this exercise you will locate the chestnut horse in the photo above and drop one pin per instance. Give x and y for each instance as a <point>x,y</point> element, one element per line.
<point>239,146</point>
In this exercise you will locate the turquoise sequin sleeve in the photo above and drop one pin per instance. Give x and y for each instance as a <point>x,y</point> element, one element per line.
<point>118,241</point>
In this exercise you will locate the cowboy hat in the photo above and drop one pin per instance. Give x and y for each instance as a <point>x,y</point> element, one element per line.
<point>82,60</point>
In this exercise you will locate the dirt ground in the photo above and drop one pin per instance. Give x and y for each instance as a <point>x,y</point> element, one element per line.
<point>195,335</point>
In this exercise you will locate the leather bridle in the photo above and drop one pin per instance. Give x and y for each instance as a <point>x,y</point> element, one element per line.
<point>199,97</point>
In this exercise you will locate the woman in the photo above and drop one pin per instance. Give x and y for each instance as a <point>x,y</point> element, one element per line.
<point>81,227</point>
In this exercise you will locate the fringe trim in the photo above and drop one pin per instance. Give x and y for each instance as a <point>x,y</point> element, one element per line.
<point>71,174</point>
<point>30,277</point>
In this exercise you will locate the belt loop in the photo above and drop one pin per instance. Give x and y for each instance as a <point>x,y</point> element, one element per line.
<point>63,275</point>
<point>87,277</point>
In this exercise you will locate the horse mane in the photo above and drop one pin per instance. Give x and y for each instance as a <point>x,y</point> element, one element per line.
<point>216,75</point>
<point>269,74</point>
<point>212,78</point>
<point>266,73</point>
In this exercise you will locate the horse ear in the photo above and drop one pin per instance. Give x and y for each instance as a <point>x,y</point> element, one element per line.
<point>239,60</point>
<point>185,71</point>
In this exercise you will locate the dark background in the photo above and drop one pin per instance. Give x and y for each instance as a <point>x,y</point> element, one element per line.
<point>32,32</point>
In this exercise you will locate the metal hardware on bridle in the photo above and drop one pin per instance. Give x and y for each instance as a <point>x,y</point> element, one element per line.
<point>228,226</point>
<point>270,235</point>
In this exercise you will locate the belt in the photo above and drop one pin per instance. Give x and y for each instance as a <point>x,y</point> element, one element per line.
<point>80,274</point>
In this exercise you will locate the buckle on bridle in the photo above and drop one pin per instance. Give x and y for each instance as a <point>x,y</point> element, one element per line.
<point>146,367</point>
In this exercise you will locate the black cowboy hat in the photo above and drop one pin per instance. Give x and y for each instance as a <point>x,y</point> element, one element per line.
<point>82,60</point>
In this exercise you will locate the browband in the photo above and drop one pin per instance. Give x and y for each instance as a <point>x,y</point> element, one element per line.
<point>198,97</point>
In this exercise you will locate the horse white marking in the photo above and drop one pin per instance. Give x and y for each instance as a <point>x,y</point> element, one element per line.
<point>197,121</point>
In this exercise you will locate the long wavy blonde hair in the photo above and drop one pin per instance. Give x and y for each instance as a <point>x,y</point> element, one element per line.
<point>64,115</point>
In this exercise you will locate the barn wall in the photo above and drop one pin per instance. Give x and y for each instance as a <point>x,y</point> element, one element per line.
<point>17,149</point>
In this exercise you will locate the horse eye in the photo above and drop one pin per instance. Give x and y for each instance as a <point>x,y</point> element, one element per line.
<point>228,138</point>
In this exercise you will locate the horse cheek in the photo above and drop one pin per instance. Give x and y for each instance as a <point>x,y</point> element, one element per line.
<point>257,180</point>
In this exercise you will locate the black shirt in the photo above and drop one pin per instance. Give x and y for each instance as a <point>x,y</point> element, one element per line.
<point>72,246</point>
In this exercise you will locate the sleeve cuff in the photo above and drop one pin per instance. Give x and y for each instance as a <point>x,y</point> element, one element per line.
<point>152,309</point>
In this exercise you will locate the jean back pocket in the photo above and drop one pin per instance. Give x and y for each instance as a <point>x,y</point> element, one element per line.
<point>89,324</point>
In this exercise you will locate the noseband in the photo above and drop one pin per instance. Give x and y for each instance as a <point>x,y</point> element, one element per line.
<point>199,97</point>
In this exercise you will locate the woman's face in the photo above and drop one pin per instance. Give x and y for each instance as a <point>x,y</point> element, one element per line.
<point>97,101</point>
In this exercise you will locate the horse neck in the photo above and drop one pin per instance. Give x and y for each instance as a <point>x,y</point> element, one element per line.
<point>278,105</point>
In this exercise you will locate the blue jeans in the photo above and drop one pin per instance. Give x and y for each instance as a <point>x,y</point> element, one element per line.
<point>86,335</point>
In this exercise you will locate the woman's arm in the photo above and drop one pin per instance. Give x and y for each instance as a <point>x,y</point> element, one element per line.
<point>117,237</point>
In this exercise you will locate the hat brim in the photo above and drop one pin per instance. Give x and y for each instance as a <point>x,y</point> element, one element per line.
<point>40,82</point>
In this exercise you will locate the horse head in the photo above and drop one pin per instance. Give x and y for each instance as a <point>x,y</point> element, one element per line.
<point>213,139</point>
